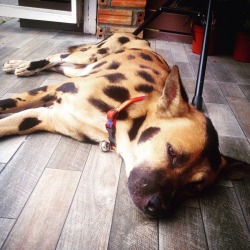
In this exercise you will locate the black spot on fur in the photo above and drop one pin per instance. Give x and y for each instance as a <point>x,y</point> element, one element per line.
<point>119,51</point>
<point>144,88</point>
<point>146,76</point>
<point>64,56</point>
<point>20,99</point>
<point>211,149</point>
<point>99,64</point>
<point>102,51</point>
<point>93,58</point>
<point>118,93</point>
<point>114,65</point>
<point>68,87</point>
<point>115,77</point>
<point>123,115</point>
<point>123,39</point>
<point>38,64</point>
<point>28,123</point>
<point>153,70</point>
<point>84,49</point>
<point>146,57</point>
<point>7,104</point>
<point>35,91</point>
<point>148,134</point>
<point>48,98</point>
<point>137,123</point>
<point>130,57</point>
<point>73,48</point>
<point>100,105</point>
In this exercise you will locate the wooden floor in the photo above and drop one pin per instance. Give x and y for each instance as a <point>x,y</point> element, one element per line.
<point>57,193</point>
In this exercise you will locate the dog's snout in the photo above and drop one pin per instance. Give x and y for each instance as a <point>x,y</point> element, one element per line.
<point>153,206</point>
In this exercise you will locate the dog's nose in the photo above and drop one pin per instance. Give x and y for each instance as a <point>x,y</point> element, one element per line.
<point>153,207</point>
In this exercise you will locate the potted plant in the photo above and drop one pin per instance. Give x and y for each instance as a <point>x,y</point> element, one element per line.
<point>198,24</point>
<point>242,41</point>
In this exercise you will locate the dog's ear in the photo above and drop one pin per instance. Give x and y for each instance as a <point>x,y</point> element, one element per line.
<point>233,169</point>
<point>174,100</point>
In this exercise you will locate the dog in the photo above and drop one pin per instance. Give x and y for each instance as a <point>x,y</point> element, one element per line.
<point>170,149</point>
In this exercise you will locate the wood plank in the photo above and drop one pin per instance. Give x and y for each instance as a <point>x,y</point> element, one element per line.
<point>6,51</point>
<point>21,174</point>
<point>8,147</point>
<point>224,120</point>
<point>224,222</point>
<point>27,49</point>
<point>7,82</point>
<point>69,155</point>
<point>209,76</point>
<point>246,90</point>
<point>131,229</point>
<point>242,189</point>
<point>239,149</point>
<point>213,93</point>
<point>40,223</point>
<point>44,50</point>
<point>178,52</point>
<point>241,109</point>
<point>89,220</point>
<point>220,72</point>
<point>231,89</point>
<point>2,165</point>
<point>182,230</point>
<point>28,83</point>
<point>5,227</point>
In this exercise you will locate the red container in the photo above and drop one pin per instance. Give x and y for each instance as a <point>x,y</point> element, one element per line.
<point>242,47</point>
<point>198,32</point>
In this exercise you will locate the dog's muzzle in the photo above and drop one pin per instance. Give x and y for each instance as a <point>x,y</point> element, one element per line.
<point>149,191</point>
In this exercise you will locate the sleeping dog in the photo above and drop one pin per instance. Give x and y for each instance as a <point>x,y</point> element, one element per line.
<point>170,149</point>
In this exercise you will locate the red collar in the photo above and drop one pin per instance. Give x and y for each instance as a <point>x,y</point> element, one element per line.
<point>111,123</point>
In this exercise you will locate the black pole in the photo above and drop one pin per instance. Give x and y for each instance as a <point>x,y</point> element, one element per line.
<point>197,99</point>
<point>152,17</point>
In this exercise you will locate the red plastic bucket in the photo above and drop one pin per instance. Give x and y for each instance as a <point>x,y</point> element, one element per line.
<point>198,32</point>
<point>242,47</point>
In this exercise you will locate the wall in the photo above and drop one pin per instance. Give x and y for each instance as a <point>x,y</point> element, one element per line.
<point>119,16</point>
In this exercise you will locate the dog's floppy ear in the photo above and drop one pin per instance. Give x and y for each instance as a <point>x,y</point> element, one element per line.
<point>233,169</point>
<point>174,100</point>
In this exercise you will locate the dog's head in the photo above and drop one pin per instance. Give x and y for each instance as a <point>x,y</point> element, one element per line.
<point>177,152</point>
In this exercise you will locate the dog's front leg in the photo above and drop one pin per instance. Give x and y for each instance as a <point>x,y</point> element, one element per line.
<point>26,122</point>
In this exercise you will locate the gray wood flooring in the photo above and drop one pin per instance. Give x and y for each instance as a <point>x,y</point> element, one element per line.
<point>57,193</point>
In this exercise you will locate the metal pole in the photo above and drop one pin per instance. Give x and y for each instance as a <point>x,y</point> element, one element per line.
<point>197,99</point>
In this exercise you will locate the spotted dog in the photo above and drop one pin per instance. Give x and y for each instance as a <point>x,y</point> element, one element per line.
<point>170,149</point>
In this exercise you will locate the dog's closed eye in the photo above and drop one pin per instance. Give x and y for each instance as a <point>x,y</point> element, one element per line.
<point>171,154</point>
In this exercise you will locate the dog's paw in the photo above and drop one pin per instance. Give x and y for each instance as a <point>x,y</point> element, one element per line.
<point>10,66</point>
<point>23,69</point>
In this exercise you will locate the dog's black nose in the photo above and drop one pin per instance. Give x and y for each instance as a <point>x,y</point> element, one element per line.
<point>153,207</point>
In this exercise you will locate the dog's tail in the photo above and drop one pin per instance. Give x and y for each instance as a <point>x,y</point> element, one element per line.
<point>39,97</point>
